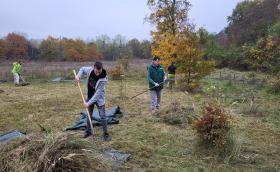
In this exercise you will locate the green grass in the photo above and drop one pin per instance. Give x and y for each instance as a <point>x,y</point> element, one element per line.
<point>154,144</point>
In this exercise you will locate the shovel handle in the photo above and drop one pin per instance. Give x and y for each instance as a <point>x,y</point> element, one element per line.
<point>84,101</point>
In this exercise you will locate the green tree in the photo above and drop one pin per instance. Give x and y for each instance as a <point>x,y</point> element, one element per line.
<point>146,49</point>
<point>49,49</point>
<point>251,19</point>
<point>135,47</point>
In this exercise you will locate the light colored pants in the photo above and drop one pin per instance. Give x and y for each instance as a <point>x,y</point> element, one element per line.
<point>16,78</point>
<point>155,99</point>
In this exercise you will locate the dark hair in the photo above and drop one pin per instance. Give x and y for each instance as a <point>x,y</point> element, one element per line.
<point>98,65</point>
<point>156,58</point>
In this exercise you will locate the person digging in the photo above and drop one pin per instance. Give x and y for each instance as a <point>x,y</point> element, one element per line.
<point>96,81</point>
<point>16,72</point>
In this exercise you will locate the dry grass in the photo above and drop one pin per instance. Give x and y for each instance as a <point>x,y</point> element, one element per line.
<point>154,144</point>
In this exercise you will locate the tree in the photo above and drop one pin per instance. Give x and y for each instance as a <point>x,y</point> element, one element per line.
<point>33,49</point>
<point>170,18</point>
<point>92,52</point>
<point>251,19</point>
<point>135,47</point>
<point>190,59</point>
<point>16,46</point>
<point>2,48</point>
<point>50,49</point>
<point>146,49</point>
<point>176,41</point>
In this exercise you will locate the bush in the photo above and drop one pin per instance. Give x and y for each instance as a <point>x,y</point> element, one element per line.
<point>117,72</point>
<point>214,127</point>
<point>275,86</point>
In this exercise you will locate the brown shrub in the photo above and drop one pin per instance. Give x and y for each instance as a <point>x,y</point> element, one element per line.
<point>214,126</point>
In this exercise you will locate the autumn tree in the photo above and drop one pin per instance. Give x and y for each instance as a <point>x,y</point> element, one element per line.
<point>92,53</point>
<point>175,39</point>
<point>2,49</point>
<point>16,46</point>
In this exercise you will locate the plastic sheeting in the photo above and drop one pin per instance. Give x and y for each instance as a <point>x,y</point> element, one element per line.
<point>11,135</point>
<point>112,116</point>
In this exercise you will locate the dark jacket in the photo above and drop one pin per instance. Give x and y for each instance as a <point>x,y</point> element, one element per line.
<point>155,75</point>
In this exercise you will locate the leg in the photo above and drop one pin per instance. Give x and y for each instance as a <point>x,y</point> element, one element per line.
<point>102,114</point>
<point>153,99</point>
<point>16,79</point>
<point>158,95</point>
<point>88,129</point>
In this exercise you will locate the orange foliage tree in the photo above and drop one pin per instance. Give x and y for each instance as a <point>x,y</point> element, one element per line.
<point>2,48</point>
<point>16,46</point>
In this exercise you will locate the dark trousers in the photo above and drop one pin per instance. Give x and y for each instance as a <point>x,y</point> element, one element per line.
<point>101,111</point>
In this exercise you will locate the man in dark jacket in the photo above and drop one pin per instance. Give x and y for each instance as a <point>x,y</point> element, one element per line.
<point>171,74</point>
<point>96,81</point>
<point>155,76</point>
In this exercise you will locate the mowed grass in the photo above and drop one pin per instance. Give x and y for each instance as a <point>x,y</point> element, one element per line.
<point>154,145</point>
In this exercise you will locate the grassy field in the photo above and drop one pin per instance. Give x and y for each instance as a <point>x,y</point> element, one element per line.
<point>154,144</point>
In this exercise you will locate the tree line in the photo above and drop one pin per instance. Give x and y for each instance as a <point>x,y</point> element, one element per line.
<point>16,46</point>
<point>251,41</point>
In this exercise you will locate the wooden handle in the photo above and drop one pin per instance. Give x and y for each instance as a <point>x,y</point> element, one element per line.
<point>84,101</point>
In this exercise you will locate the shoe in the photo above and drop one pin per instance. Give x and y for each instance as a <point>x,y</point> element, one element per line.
<point>87,134</point>
<point>107,137</point>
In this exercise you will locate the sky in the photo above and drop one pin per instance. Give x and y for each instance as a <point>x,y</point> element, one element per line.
<point>86,19</point>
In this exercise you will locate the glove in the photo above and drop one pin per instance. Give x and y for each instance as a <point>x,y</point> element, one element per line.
<point>77,79</point>
<point>156,84</point>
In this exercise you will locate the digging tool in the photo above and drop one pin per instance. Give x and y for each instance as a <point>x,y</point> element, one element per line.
<point>147,90</point>
<point>24,82</point>
<point>88,114</point>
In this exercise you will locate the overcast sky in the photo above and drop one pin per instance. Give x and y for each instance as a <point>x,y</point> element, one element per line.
<point>87,19</point>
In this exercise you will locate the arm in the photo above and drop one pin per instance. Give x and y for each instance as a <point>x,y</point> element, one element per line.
<point>83,71</point>
<point>149,77</point>
<point>98,93</point>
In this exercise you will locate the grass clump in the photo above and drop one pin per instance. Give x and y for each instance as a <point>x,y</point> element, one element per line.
<point>274,87</point>
<point>176,114</point>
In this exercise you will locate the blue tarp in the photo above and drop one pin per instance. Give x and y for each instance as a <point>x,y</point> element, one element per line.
<point>112,116</point>
<point>11,135</point>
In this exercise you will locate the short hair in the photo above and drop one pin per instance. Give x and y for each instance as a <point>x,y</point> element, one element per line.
<point>98,65</point>
<point>156,58</point>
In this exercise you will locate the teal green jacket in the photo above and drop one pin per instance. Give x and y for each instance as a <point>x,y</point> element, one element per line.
<point>155,75</point>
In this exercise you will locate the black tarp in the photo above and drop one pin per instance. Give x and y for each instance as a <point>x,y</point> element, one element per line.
<point>112,116</point>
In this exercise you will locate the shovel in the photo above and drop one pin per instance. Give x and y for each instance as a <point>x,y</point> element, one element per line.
<point>88,114</point>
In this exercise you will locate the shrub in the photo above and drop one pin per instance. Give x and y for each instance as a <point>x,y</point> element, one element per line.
<point>117,72</point>
<point>275,86</point>
<point>214,126</point>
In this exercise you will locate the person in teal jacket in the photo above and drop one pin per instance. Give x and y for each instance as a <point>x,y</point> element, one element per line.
<point>16,72</point>
<point>155,77</point>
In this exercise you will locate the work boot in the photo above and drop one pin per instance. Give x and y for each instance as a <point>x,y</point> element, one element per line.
<point>87,134</point>
<point>106,137</point>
